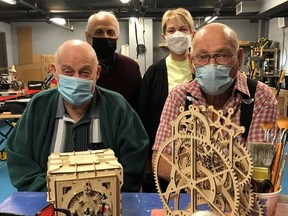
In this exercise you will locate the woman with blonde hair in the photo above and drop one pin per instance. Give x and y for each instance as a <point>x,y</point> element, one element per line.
<point>161,77</point>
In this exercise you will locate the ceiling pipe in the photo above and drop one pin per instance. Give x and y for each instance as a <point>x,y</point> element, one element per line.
<point>34,7</point>
<point>221,3</point>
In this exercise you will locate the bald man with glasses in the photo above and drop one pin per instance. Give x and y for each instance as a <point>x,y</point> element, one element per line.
<point>216,59</point>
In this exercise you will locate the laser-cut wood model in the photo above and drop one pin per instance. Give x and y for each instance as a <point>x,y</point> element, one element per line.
<point>209,164</point>
<point>85,183</point>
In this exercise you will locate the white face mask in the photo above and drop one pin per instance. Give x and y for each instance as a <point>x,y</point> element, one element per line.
<point>178,42</point>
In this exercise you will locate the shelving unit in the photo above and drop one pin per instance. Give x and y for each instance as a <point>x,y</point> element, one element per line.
<point>265,64</point>
<point>266,59</point>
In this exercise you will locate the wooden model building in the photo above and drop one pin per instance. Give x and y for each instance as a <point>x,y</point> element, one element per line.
<point>85,183</point>
<point>208,164</point>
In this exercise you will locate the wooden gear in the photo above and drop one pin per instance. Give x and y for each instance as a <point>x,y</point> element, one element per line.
<point>209,163</point>
<point>85,183</point>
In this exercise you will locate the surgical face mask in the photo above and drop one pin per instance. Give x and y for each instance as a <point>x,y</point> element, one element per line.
<point>178,42</point>
<point>104,47</point>
<point>214,79</point>
<point>75,91</point>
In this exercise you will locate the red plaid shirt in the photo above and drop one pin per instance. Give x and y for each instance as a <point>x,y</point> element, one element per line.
<point>265,108</point>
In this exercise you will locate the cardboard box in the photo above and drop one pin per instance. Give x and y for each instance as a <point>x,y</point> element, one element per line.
<point>32,72</point>
<point>282,101</point>
<point>25,50</point>
<point>43,58</point>
<point>36,71</point>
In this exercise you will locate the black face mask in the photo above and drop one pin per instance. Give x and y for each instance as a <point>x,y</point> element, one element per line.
<point>104,47</point>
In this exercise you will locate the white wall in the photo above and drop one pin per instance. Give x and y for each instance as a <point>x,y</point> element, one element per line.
<point>144,29</point>
<point>47,38</point>
<point>6,28</point>
<point>277,34</point>
<point>246,31</point>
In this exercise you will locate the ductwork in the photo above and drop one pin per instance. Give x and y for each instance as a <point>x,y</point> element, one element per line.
<point>247,8</point>
<point>269,8</point>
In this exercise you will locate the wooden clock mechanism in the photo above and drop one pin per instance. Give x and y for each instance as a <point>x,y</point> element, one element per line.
<point>85,183</point>
<point>209,165</point>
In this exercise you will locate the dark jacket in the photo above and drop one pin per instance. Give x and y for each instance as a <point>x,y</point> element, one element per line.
<point>152,96</point>
<point>123,77</point>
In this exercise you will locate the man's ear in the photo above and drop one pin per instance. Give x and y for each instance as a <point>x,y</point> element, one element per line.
<point>99,69</point>
<point>53,70</point>
<point>190,62</point>
<point>193,33</point>
<point>89,39</point>
<point>240,56</point>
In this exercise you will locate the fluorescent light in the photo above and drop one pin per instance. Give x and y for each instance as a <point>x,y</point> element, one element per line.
<point>12,2</point>
<point>58,21</point>
<point>212,19</point>
<point>207,18</point>
<point>133,19</point>
<point>125,1</point>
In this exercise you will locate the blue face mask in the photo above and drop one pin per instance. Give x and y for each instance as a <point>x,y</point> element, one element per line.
<point>214,79</point>
<point>75,91</point>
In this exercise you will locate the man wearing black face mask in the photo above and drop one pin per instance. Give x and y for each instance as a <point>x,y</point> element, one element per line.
<point>119,73</point>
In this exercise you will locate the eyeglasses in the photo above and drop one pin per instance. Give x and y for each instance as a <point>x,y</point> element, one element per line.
<point>222,58</point>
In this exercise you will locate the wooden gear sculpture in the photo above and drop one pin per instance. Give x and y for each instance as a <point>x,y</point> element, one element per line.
<point>85,183</point>
<point>208,164</point>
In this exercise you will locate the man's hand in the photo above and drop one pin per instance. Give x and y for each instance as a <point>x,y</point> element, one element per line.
<point>164,168</point>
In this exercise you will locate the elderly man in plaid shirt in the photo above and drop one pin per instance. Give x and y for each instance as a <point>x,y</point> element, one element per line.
<point>216,59</point>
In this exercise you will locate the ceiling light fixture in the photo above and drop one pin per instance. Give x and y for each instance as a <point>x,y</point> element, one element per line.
<point>58,21</point>
<point>207,18</point>
<point>61,22</point>
<point>212,19</point>
<point>12,2</point>
<point>125,1</point>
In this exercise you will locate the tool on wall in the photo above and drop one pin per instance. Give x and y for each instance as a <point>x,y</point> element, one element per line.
<point>140,47</point>
<point>280,81</point>
<point>262,43</point>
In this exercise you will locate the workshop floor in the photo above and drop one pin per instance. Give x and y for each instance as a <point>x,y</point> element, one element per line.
<point>6,188</point>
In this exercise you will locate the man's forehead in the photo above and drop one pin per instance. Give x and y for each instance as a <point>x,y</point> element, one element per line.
<point>212,46</point>
<point>106,20</point>
<point>206,40</point>
<point>105,25</point>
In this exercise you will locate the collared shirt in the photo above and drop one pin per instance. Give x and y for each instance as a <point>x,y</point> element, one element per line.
<point>265,108</point>
<point>76,136</point>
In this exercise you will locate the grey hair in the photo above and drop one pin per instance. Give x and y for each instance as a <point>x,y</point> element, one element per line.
<point>102,13</point>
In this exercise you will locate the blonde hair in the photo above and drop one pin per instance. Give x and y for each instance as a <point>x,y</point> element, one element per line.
<point>181,14</point>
